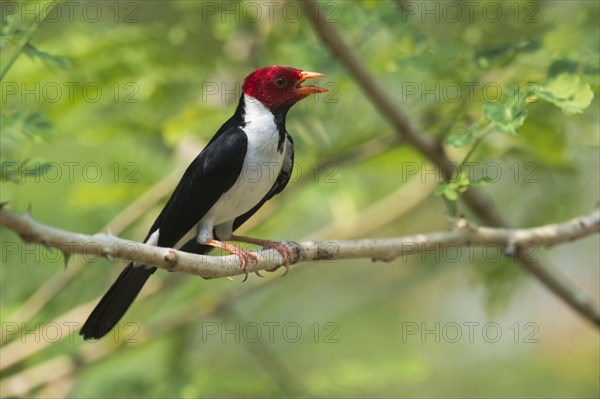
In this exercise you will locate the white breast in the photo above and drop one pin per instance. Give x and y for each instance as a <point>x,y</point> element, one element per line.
<point>261,167</point>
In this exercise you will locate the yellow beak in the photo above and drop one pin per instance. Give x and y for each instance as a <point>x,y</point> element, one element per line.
<point>306,90</point>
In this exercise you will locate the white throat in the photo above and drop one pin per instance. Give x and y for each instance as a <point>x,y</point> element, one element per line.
<point>256,113</point>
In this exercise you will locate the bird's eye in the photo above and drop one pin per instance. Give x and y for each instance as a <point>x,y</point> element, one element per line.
<point>280,82</point>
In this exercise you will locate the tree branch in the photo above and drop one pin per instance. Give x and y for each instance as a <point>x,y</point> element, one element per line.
<point>478,203</point>
<point>55,284</point>
<point>385,249</point>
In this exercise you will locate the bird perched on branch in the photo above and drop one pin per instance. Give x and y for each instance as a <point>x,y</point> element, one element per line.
<point>246,163</point>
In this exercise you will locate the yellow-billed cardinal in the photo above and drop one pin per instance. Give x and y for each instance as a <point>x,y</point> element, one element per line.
<point>216,195</point>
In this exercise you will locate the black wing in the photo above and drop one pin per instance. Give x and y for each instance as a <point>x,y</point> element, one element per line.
<point>209,176</point>
<point>282,180</point>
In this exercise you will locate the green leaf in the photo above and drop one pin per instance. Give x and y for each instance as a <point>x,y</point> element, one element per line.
<point>56,60</point>
<point>460,137</point>
<point>495,55</point>
<point>502,54</point>
<point>36,124</point>
<point>505,117</point>
<point>450,193</point>
<point>461,180</point>
<point>562,66</point>
<point>9,24</point>
<point>439,190</point>
<point>25,123</point>
<point>458,184</point>
<point>567,92</point>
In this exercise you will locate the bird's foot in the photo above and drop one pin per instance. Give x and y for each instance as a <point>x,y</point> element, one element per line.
<point>243,254</point>
<point>283,249</point>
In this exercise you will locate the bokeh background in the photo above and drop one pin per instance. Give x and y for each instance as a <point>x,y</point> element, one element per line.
<point>112,100</point>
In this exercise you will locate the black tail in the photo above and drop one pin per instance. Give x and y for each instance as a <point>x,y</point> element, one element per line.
<point>116,301</point>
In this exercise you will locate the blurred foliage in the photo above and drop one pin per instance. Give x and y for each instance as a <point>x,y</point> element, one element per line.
<point>103,100</point>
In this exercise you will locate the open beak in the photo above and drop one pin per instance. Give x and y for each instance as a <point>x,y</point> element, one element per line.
<point>306,90</point>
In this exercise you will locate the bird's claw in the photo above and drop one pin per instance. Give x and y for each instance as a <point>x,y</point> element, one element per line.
<point>244,255</point>
<point>283,250</point>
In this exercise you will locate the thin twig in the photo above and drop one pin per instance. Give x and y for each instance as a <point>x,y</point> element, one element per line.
<point>486,130</point>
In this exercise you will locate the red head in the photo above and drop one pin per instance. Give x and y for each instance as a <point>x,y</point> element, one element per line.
<point>278,86</point>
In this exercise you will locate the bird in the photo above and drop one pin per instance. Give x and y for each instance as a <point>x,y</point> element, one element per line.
<point>247,162</point>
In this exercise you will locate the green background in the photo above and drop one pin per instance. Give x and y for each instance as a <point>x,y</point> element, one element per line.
<point>123,100</point>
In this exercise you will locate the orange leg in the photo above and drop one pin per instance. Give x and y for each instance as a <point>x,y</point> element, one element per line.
<point>268,244</point>
<point>232,249</point>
